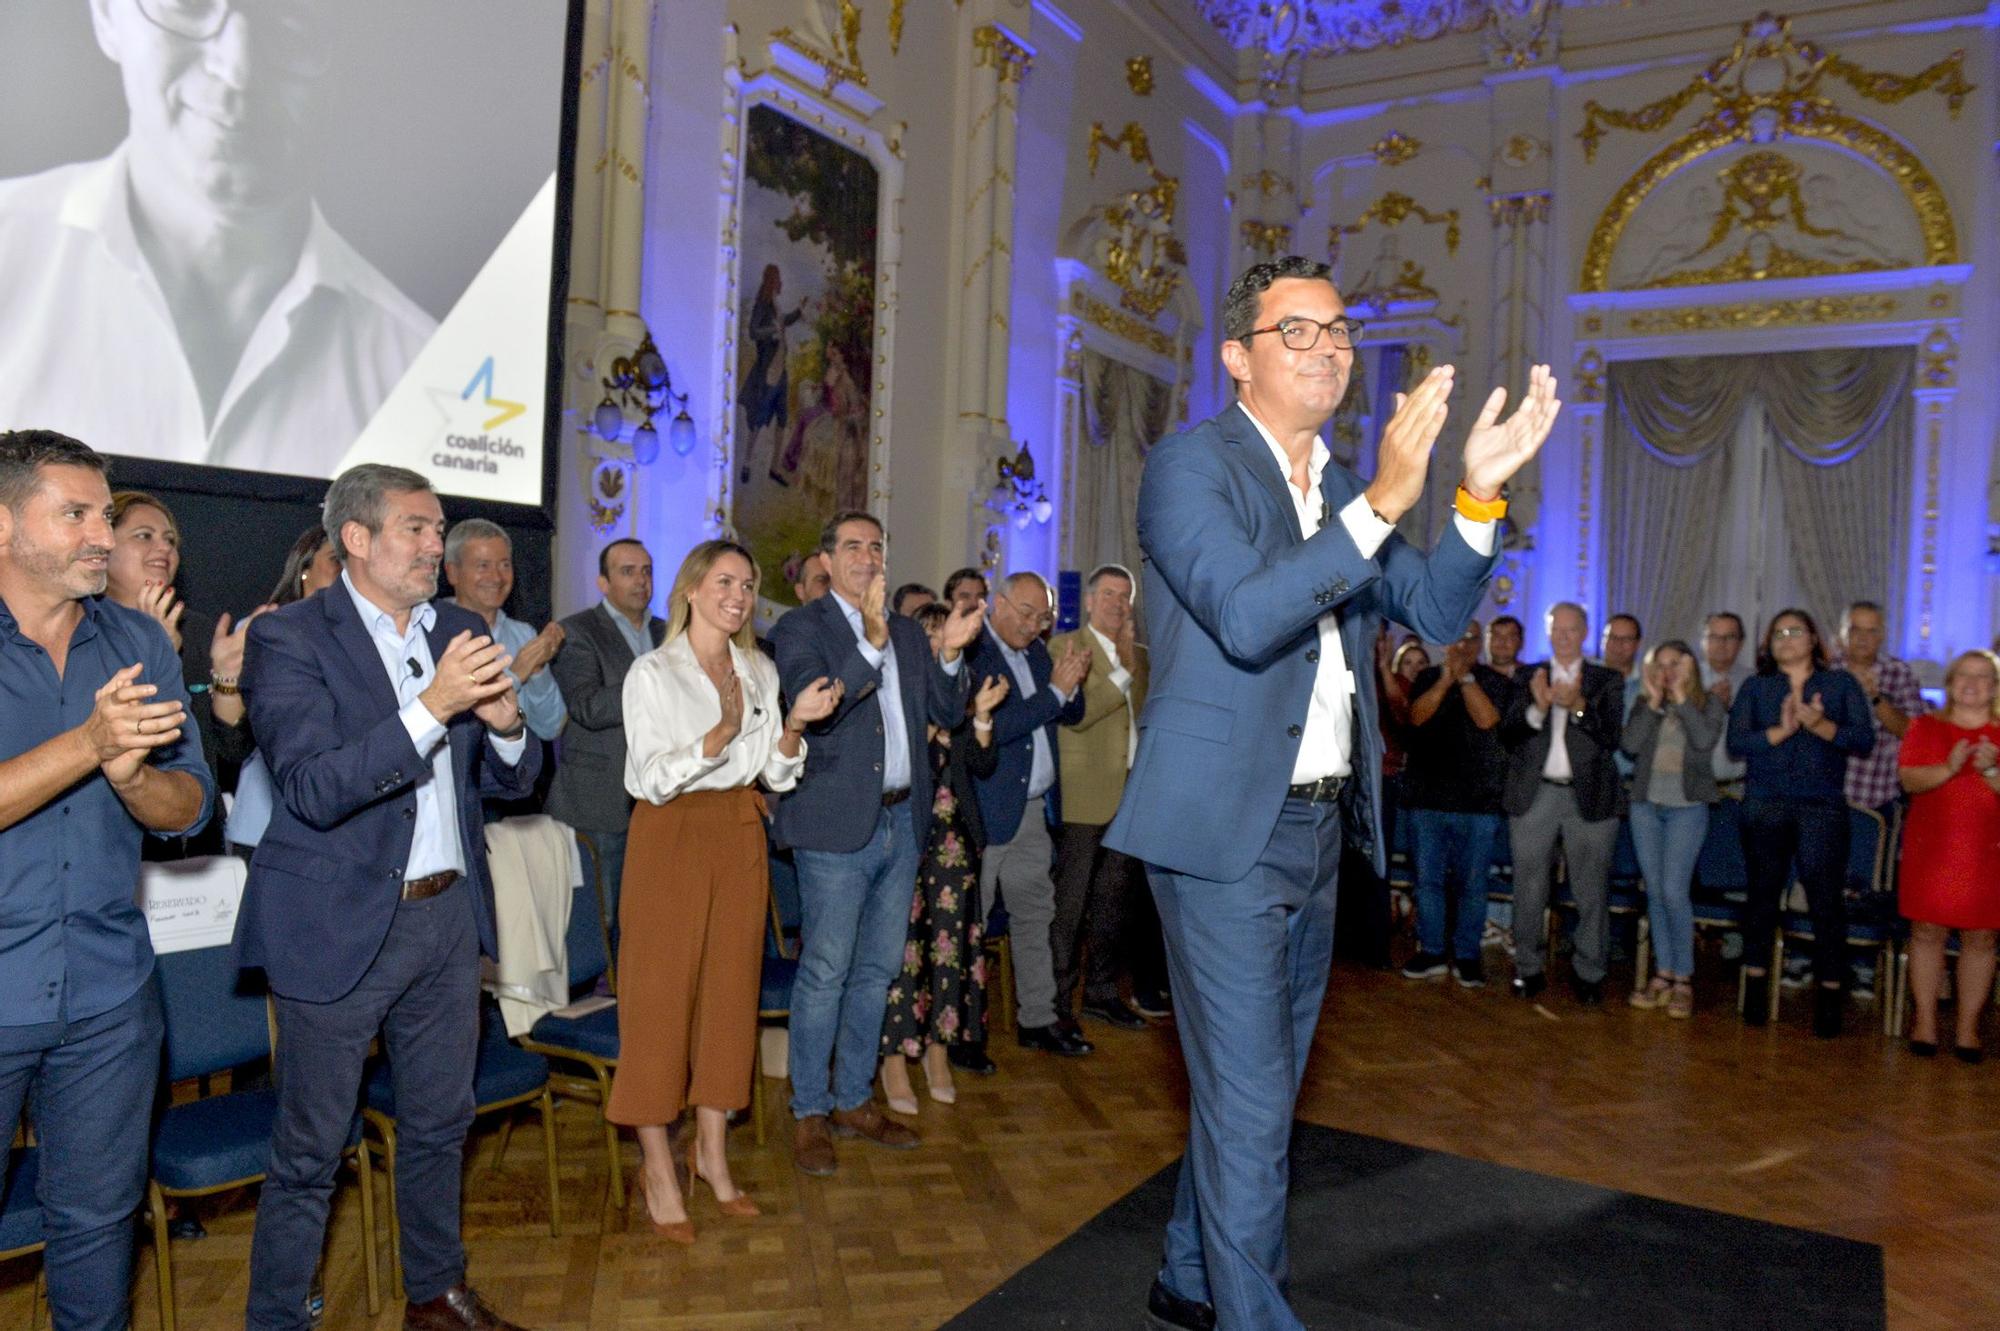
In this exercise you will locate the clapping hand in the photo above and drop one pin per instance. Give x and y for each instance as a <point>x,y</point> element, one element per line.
<point>1495,451</point>
<point>992,692</point>
<point>1459,657</point>
<point>875,623</point>
<point>1984,754</point>
<point>159,600</point>
<point>1404,458</point>
<point>1960,755</point>
<point>1568,695</point>
<point>1811,713</point>
<point>1656,694</point>
<point>225,648</point>
<point>731,694</point>
<point>816,703</point>
<point>1538,686</point>
<point>962,627</point>
<point>472,671</point>
<point>123,728</point>
<point>1070,669</point>
<point>538,651</point>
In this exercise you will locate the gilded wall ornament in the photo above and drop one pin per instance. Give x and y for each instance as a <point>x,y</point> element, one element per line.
<point>1515,209</point>
<point>1392,210</point>
<point>896,27</point>
<point>1330,27</point>
<point>1267,239</point>
<point>1139,75</point>
<point>1762,199</point>
<point>1589,376</point>
<point>1806,310</point>
<point>1939,359</point>
<point>1766,48</point>
<point>1132,139</point>
<point>991,46</point>
<point>1395,148</point>
<point>1121,325</point>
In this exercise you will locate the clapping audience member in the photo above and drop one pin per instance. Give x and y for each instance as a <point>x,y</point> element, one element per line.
<point>1723,672</point>
<point>1894,700</point>
<point>937,1004</point>
<point>145,561</point>
<point>857,824</point>
<point>1670,732</point>
<point>966,587</point>
<point>1503,646</point>
<point>599,646</point>
<point>703,725</point>
<point>1097,890</point>
<point>1619,651</point>
<point>1022,801</point>
<point>1795,724</point>
<point>1451,794</point>
<point>1561,733</point>
<point>1951,841</point>
<point>911,597</point>
<point>479,563</point>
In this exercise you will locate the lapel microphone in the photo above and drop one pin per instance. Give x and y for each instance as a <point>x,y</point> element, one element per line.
<point>416,670</point>
<point>1325,511</point>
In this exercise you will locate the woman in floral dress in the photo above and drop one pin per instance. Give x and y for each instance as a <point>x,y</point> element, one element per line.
<point>939,997</point>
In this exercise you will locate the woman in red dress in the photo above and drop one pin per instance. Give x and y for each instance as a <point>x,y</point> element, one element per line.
<point>1951,843</point>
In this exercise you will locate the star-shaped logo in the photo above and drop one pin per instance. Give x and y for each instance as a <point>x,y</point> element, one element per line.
<point>449,402</point>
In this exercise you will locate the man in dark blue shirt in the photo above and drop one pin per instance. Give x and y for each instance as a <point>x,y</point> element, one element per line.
<point>92,755</point>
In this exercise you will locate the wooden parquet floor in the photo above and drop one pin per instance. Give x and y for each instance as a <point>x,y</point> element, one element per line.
<point>1856,1138</point>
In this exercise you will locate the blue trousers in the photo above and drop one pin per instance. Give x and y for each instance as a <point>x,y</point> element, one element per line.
<point>88,1085</point>
<point>1667,840</point>
<point>422,993</point>
<point>1454,861</point>
<point>854,914</point>
<point>1249,962</point>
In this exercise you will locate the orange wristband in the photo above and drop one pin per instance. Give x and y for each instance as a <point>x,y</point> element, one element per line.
<point>1479,510</point>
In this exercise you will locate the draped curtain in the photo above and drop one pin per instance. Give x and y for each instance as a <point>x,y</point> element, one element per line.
<point>1123,413</point>
<point>1748,482</point>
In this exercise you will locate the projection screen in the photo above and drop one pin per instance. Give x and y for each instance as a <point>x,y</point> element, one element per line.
<point>286,236</point>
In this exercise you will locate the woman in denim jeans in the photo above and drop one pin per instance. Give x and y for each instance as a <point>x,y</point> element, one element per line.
<point>1670,735</point>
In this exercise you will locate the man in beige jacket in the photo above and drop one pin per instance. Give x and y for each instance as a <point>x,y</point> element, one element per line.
<point>1104,919</point>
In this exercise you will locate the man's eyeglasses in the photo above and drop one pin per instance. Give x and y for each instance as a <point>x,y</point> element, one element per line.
<point>294,23</point>
<point>1039,615</point>
<point>1301,334</point>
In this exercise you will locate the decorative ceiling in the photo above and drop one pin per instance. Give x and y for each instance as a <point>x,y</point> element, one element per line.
<point>1335,27</point>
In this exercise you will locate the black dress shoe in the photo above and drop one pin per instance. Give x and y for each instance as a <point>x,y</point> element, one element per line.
<point>1590,993</point>
<point>1054,1039</point>
<point>1168,1311</point>
<point>1756,1000</point>
<point>1529,986</point>
<point>972,1058</point>
<point>1115,1013</point>
<point>1968,1053</point>
<point>1829,1008</point>
<point>1924,1048</point>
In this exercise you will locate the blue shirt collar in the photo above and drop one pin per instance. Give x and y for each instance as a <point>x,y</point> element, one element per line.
<point>377,620</point>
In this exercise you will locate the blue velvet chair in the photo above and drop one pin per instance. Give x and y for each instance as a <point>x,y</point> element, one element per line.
<point>584,1050</point>
<point>21,1219</point>
<point>213,1143</point>
<point>503,1077</point>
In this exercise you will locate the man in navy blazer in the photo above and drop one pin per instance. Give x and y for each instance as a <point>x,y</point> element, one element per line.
<point>856,823</point>
<point>1269,569</point>
<point>1022,800</point>
<point>383,718</point>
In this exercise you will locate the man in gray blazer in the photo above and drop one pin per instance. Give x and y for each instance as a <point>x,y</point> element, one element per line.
<point>599,646</point>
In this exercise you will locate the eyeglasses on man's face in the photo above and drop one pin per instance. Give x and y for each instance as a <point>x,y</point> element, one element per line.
<point>294,24</point>
<point>1034,614</point>
<point>1302,334</point>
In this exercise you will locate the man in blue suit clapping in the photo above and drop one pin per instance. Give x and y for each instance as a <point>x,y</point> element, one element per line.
<point>1269,569</point>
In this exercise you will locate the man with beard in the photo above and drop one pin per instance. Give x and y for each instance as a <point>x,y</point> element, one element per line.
<point>93,754</point>
<point>384,719</point>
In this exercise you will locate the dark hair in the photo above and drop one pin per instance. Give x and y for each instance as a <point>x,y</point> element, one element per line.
<point>1498,620</point>
<point>964,575</point>
<point>1729,615</point>
<point>829,535</point>
<point>604,555</point>
<point>1103,571</point>
<point>297,560</point>
<point>908,589</point>
<point>1847,615</point>
<point>931,616</point>
<point>1768,664</point>
<point>1631,619</point>
<point>1246,293</point>
<point>23,454</point>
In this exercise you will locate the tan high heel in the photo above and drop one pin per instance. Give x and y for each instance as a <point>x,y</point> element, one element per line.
<point>904,1101</point>
<point>739,1207</point>
<point>939,1084</point>
<point>673,1231</point>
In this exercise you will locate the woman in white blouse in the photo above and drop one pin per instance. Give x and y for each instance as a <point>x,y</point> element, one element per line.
<point>703,724</point>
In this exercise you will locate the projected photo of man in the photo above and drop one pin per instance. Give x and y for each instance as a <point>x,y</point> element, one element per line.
<point>183,298</point>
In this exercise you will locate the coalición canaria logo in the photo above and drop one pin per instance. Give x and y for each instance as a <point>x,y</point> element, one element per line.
<point>476,406</point>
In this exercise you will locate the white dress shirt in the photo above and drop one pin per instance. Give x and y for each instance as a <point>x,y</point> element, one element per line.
<point>1121,679</point>
<point>895,726</point>
<point>434,844</point>
<point>1327,747</point>
<point>670,706</point>
<point>1727,766</point>
<point>1042,770</point>
<point>1557,767</point>
<point>336,337</point>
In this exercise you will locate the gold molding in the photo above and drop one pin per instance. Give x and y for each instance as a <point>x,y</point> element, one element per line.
<point>1938,355</point>
<point>1933,466</point>
<point>991,46</point>
<point>1395,148</point>
<point>896,27</point>
<point>1806,310</point>
<point>838,70</point>
<point>1589,376</point>
<point>1139,75</point>
<point>1269,238</point>
<point>1515,209</point>
<point>1122,325</point>
<point>1392,210</point>
<point>1822,123</point>
<point>1768,37</point>
<point>1132,139</point>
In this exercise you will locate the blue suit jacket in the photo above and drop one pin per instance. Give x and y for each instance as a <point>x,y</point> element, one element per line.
<point>838,798</point>
<point>326,878</point>
<point>1234,594</point>
<point>1003,794</point>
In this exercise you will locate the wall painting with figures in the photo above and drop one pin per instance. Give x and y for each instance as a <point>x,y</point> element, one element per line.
<point>805,339</point>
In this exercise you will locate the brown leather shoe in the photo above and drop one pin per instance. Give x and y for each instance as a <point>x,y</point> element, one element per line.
<point>457,1309</point>
<point>812,1146</point>
<point>868,1120</point>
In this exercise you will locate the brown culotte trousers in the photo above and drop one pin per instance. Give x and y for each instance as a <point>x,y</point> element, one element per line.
<point>690,957</point>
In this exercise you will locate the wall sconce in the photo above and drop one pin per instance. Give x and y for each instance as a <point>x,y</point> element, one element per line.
<point>1017,494</point>
<point>642,385</point>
